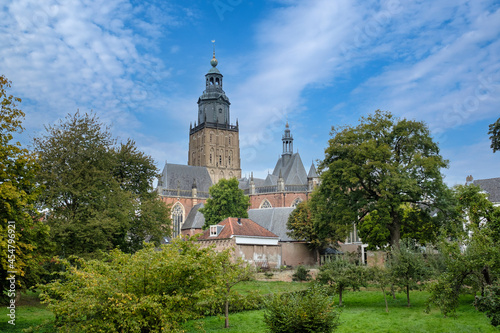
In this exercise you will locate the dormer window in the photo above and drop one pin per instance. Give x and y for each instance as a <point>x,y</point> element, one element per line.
<point>213,231</point>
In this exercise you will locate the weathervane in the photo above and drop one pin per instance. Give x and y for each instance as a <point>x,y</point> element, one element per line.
<point>213,42</point>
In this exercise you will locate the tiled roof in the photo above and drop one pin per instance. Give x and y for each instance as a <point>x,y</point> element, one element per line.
<point>312,172</point>
<point>490,186</point>
<point>274,220</point>
<point>233,226</point>
<point>195,219</point>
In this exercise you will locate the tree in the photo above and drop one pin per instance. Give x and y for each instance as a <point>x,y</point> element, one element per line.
<point>382,277</point>
<point>343,273</point>
<point>23,238</point>
<point>380,167</point>
<point>98,194</point>
<point>311,311</point>
<point>303,228</point>
<point>226,200</point>
<point>151,290</point>
<point>407,267</point>
<point>494,133</point>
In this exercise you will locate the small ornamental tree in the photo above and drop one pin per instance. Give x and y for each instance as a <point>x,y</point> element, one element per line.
<point>341,274</point>
<point>226,200</point>
<point>407,267</point>
<point>311,311</point>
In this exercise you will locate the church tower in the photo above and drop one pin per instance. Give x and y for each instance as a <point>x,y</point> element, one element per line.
<point>213,142</point>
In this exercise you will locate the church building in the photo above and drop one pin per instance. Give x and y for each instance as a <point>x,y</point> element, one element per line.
<point>214,154</point>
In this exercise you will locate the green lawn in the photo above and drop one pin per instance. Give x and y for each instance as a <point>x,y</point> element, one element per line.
<point>362,312</point>
<point>365,312</point>
<point>29,312</point>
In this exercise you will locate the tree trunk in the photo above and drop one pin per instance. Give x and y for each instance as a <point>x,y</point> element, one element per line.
<point>340,297</point>
<point>393,291</point>
<point>408,294</point>
<point>395,229</point>
<point>227,313</point>
<point>385,299</point>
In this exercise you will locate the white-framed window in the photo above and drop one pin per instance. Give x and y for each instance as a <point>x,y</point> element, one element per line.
<point>213,231</point>
<point>266,204</point>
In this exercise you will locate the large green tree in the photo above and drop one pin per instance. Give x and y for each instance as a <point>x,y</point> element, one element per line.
<point>98,193</point>
<point>226,200</point>
<point>494,132</point>
<point>23,238</point>
<point>379,168</point>
<point>302,227</point>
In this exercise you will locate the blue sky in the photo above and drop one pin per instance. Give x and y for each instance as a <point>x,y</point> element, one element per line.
<point>140,66</point>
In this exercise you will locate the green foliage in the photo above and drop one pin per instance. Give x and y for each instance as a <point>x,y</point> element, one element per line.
<point>303,228</point>
<point>494,132</point>
<point>472,263</point>
<point>25,241</point>
<point>98,193</point>
<point>309,311</point>
<point>343,273</point>
<point>380,165</point>
<point>226,200</point>
<point>148,291</point>
<point>407,267</point>
<point>490,303</point>
<point>301,274</point>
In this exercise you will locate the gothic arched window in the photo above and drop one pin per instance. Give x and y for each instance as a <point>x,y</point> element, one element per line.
<point>265,204</point>
<point>296,202</point>
<point>177,218</point>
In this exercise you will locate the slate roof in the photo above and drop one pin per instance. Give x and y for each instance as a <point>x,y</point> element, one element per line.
<point>195,219</point>
<point>490,186</point>
<point>292,169</point>
<point>182,176</point>
<point>274,220</point>
<point>231,227</point>
<point>312,172</point>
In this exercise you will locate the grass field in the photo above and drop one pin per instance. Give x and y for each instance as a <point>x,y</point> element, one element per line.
<point>362,312</point>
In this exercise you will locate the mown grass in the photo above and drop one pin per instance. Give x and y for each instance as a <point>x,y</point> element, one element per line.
<point>29,313</point>
<point>365,312</point>
<point>362,312</point>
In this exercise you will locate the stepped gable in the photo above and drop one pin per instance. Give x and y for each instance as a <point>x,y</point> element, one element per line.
<point>490,186</point>
<point>195,219</point>
<point>274,220</point>
<point>233,226</point>
<point>182,176</point>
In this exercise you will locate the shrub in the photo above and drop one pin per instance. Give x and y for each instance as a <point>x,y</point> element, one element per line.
<point>309,311</point>
<point>490,303</point>
<point>301,274</point>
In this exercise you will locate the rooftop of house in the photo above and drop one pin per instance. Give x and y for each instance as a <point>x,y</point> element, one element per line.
<point>233,226</point>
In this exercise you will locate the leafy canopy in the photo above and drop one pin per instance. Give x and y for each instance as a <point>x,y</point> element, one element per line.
<point>226,200</point>
<point>24,242</point>
<point>98,193</point>
<point>494,132</point>
<point>380,167</point>
<point>152,290</point>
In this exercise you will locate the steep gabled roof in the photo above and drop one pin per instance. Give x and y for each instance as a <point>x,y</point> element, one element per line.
<point>182,176</point>
<point>312,172</point>
<point>490,186</point>
<point>233,226</point>
<point>195,219</point>
<point>274,220</point>
<point>292,169</point>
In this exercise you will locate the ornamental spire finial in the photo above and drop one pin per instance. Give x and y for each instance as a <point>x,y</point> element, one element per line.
<point>214,61</point>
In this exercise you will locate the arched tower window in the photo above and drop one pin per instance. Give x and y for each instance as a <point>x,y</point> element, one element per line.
<point>265,204</point>
<point>296,202</point>
<point>177,218</point>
